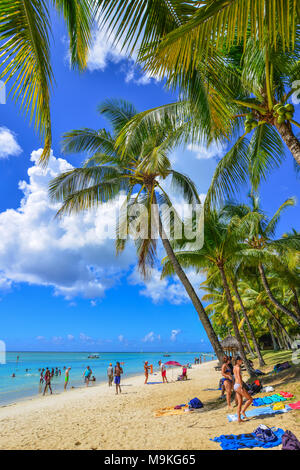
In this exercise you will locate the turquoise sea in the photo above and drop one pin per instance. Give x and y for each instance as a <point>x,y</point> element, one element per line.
<point>26,369</point>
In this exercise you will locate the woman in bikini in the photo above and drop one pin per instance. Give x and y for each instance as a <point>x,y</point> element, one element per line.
<point>228,380</point>
<point>240,391</point>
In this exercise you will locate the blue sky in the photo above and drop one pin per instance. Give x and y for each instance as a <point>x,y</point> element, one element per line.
<point>60,287</point>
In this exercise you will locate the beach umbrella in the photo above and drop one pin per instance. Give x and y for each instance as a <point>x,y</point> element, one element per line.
<point>172,364</point>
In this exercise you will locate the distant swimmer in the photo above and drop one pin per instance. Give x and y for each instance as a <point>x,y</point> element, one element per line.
<point>67,377</point>
<point>13,375</point>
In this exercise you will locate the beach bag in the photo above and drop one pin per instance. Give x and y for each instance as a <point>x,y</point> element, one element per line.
<point>264,433</point>
<point>195,403</point>
<point>290,441</point>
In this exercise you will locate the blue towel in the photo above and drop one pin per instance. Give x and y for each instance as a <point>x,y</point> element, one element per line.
<point>268,400</point>
<point>154,383</point>
<point>232,442</point>
<point>267,410</point>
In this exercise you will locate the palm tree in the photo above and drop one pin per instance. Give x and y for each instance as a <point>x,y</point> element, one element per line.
<point>262,249</point>
<point>220,250</point>
<point>25,29</point>
<point>139,170</point>
<point>214,50</point>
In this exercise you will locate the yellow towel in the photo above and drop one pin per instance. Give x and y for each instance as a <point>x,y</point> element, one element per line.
<point>278,406</point>
<point>169,411</point>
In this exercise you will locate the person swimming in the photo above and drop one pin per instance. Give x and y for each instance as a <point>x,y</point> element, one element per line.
<point>240,391</point>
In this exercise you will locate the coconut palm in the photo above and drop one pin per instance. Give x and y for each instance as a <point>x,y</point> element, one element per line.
<point>25,28</point>
<point>265,251</point>
<point>219,253</point>
<point>139,170</point>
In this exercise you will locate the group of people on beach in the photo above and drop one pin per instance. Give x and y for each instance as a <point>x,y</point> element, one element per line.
<point>233,382</point>
<point>114,374</point>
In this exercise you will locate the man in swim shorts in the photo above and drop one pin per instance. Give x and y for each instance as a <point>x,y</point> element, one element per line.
<point>67,376</point>
<point>118,372</point>
<point>87,375</point>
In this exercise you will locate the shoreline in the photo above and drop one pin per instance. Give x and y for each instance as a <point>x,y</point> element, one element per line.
<point>96,418</point>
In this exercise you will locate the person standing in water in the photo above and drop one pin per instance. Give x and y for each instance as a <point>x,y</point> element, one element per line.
<point>240,391</point>
<point>67,376</point>
<point>47,378</point>
<point>110,374</point>
<point>118,372</point>
<point>87,375</point>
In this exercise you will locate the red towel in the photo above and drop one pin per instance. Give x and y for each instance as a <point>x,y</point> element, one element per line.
<point>286,394</point>
<point>295,406</point>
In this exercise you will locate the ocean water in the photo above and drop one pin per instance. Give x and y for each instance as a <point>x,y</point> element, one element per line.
<point>27,374</point>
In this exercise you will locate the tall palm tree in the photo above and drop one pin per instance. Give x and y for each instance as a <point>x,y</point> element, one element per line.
<point>262,249</point>
<point>25,28</point>
<point>219,252</point>
<point>139,170</point>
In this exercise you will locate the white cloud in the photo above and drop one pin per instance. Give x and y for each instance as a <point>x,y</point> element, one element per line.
<point>205,153</point>
<point>40,338</point>
<point>85,338</point>
<point>174,334</point>
<point>69,254</point>
<point>121,338</point>
<point>149,338</point>
<point>70,337</point>
<point>9,146</point>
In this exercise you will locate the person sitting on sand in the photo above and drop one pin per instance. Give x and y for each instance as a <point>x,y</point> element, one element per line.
<point>240,391</point>
<point>47,378</point>
<point>184,373</point>
<point>110,374</point>
<point>146,370</point>
<point>87,374</point>
<point>228,379</point>
<point>67,377</point>
<point>118,372</point>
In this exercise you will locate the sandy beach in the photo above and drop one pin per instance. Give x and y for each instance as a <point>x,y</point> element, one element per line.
<point>95,418</point>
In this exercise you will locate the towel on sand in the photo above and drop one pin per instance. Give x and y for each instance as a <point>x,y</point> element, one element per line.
<point>295,406</point>
<point>268,400</point>
<point>286,394</point>
<point>267,410</point>
<point>241,441</point>
<point>169,411</point>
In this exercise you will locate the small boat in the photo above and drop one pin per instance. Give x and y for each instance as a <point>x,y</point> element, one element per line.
<point>166,355</point>
<point>93,356</point>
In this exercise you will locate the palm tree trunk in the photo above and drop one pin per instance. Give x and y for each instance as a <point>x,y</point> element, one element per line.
<point>291,141</point>
<point>274,301</point>
<point>296,301</point>
<point>233,319</point>
<point>280,324</point>
<point>246,340</point>
<point>255,343</point>
<point>192,294</point>
<point>275,345</point>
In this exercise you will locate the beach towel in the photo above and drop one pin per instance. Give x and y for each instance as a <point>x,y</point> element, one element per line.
<point>295,406</point>
<point>154,383</point>
<point>267,410</point>
<point>170,411</point>
<point>268,400</point>
<point>286,394</point>
<point>290,441</point>
<point>242,441</point>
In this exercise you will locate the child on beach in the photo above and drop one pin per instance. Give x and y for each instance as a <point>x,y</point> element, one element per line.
<point>240,391</point>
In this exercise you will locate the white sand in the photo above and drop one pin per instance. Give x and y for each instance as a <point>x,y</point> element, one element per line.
<point>96,418</point>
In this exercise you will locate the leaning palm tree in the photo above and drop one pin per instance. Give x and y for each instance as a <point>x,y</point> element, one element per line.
<point>139,171</point>
<point>219,252</point>
<point>25,28</point>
